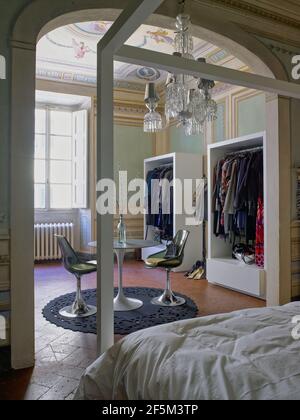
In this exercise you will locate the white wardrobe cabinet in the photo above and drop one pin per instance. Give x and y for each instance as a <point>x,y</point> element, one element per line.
<point>186,166</point>
<point>222,269</point>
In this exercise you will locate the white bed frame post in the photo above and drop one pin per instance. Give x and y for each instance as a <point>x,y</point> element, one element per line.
<point>128,22</point>
<point>173,64</point>
<point>112,47</point>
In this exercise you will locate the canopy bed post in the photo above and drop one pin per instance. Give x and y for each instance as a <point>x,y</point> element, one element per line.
<point>173,64</point>
<point>127,23</point>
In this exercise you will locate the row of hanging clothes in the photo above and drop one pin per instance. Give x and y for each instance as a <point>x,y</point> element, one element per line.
<point>238,200</point>
<point>160,202</point>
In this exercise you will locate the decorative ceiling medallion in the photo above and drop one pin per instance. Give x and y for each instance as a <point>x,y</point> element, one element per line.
<point>147,73</point>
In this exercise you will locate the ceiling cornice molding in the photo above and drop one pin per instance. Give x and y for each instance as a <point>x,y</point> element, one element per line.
<point>281,50</point>
<point>244,6</point>
<point>68,78</point>
<point>261,32</point>
<point>125,107</point>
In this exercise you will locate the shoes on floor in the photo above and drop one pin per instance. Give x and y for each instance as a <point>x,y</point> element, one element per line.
<point>197,272</point>
<point>194,273</point>
<point>200,274</point>
<point>196,266</point>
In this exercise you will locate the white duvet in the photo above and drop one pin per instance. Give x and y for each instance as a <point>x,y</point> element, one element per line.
<point>245,355</point>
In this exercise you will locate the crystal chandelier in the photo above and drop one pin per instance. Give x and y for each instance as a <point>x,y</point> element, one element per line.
<point>153,120</point>
<point>188,100</point>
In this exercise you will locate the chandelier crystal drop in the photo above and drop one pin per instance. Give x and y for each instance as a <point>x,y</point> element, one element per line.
<point>188,100</point>
<point>153,120</point>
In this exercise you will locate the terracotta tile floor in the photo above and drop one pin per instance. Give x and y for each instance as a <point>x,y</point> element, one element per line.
<point>62,356</point>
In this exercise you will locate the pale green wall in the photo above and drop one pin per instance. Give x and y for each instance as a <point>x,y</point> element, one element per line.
<point>181,143</point>
<point>251,115</point>
<point>131,146</point>
<point>251,118</point>
<point>219,125</point>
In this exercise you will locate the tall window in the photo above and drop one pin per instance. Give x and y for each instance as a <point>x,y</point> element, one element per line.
<point>55,159</point>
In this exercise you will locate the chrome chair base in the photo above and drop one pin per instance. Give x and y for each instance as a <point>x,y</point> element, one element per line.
<point>78,311</point>
<point>168,299</point>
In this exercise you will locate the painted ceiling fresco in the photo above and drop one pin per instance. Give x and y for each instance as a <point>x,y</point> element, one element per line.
<point>69,54</point>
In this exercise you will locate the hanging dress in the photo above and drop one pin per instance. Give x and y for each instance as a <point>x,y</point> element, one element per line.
<point>259,248</point>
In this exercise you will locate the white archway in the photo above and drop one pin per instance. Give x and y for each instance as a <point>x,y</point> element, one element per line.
<point>25,35</point>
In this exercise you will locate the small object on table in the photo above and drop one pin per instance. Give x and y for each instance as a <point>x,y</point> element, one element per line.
<point>122,235</point>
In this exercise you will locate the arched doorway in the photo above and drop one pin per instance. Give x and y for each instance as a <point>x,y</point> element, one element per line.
<point>25,36</point>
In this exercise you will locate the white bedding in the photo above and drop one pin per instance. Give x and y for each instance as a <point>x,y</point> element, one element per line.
<point>239,356</point>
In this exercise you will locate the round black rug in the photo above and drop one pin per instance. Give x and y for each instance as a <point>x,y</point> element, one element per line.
<point>125,322</point>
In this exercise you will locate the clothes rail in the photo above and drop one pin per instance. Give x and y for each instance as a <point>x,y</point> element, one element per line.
<point>165,165</point>
<point>253,149</point>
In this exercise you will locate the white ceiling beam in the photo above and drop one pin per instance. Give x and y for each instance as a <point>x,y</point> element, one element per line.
<point>128,22</point>
<point>173,64</point>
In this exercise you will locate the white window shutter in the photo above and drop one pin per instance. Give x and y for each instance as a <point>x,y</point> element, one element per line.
<point>80,148</point>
